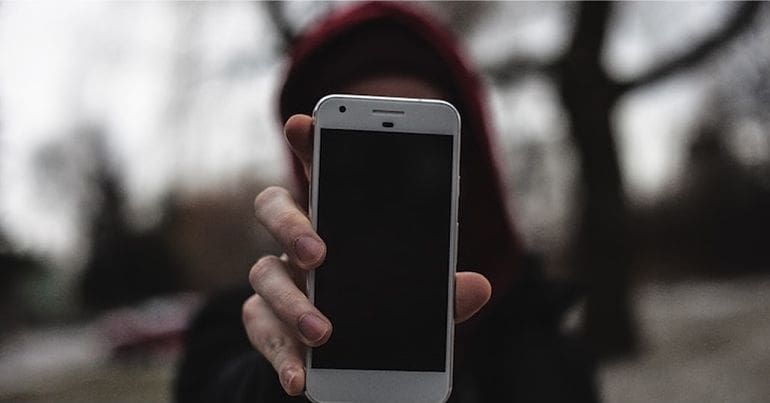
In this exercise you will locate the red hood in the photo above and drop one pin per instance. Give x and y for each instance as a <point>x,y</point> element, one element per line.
<point>487,241</point>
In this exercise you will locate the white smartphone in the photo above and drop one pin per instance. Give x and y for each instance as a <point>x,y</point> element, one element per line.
<point>384,197</point>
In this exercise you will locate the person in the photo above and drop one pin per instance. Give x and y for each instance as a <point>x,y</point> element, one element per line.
<point>246,346</point>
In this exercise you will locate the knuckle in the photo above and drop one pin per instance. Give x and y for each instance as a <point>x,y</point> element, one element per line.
<point>276,343</point>
<point>273,345</point>
<point>268,195</point>
<point>289,219</point>
<point>289,301</point>
<point>261,269</point>
<point>248,310</point>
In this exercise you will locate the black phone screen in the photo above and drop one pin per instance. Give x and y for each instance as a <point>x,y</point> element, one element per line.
<point>384,211</point>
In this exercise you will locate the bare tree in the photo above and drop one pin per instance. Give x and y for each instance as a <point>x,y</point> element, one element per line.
<point>589,95</point>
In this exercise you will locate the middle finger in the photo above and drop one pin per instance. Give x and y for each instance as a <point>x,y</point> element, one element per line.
<point>272,282</point>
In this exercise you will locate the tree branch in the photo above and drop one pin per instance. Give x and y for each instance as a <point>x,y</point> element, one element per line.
<point>516,66</point>
<point>274,10</point>
<point>735,26</point>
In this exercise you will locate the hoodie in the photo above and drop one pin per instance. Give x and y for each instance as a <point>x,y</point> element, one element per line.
<point>386,37</point>
<point>511,350</point>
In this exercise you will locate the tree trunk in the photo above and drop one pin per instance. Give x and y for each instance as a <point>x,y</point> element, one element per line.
<point>602,249</point>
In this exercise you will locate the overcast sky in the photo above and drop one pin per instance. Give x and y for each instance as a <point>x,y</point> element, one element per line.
<point>181,96</point>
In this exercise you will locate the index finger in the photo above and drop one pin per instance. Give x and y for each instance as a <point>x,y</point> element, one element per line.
<point>277,211</point>
<point>299,133</point>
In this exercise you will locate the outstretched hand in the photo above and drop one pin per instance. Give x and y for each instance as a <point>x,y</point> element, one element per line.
<point>279,319</point>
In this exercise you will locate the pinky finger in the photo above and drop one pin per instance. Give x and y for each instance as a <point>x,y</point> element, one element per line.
<point>271,338</point>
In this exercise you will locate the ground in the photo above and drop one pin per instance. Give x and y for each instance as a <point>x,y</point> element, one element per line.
<point>703,341</point>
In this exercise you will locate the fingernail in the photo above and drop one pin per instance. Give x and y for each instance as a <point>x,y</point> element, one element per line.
<point>287,379</point>
<point>308,249</point>
<point>312,327</point>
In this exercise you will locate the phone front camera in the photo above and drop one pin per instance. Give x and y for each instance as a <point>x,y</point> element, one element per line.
<point>343,109</point>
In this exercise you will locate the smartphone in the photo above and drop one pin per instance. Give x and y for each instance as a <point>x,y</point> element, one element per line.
<point>384,198</point>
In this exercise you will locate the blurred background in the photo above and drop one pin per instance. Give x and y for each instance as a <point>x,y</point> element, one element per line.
<point>134,137</point>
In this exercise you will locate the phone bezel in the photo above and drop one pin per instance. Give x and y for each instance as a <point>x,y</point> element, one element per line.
<point>420,116</point>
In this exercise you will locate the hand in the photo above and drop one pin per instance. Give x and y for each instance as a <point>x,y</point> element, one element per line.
<point>279,319</point>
